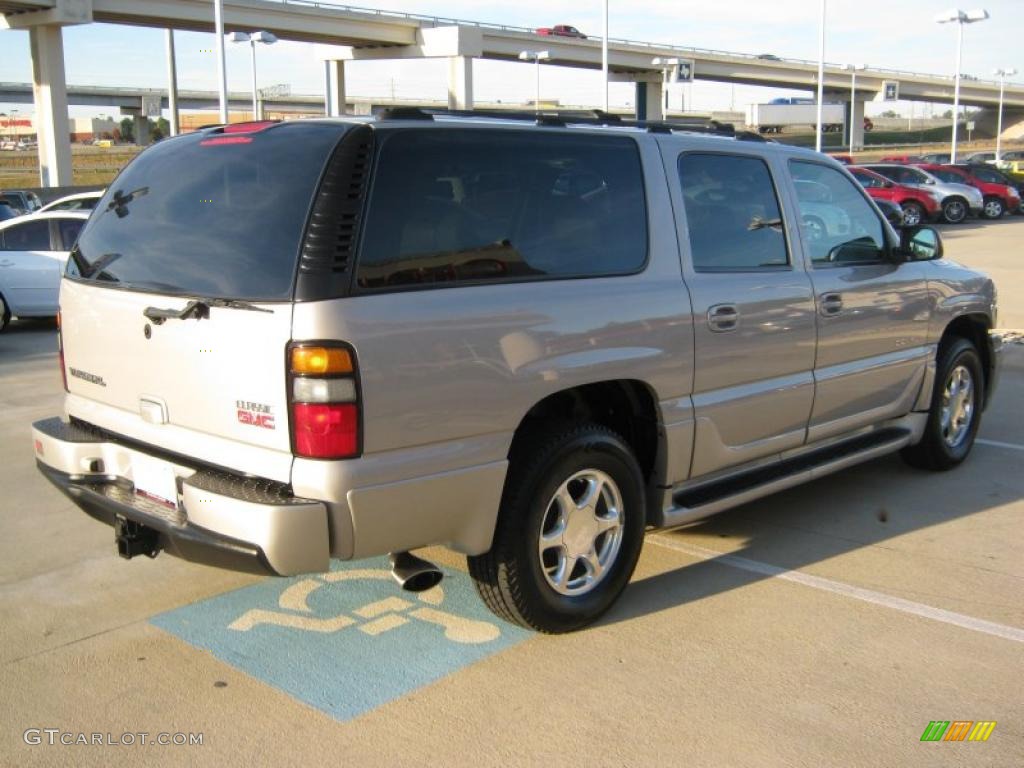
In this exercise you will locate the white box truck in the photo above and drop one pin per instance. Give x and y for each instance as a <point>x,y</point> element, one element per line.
<point>773,118</point>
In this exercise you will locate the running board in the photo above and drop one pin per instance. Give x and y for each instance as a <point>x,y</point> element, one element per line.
<point>694,504</point>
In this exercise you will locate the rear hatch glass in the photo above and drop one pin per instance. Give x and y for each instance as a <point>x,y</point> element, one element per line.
<point>215,215</point>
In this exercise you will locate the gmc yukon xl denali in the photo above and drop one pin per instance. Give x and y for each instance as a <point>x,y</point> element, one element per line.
<point>527,340</point>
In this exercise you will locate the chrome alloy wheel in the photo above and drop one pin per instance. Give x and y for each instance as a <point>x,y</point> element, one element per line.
<point>957,406</point>
<point>911,216</point>
<point>581,532</point>
<point>993,208</point>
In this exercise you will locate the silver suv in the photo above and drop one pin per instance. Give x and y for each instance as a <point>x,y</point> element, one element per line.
<point>526,340</point>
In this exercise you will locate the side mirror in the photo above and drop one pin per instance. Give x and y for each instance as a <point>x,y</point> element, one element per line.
<point>920,244</point>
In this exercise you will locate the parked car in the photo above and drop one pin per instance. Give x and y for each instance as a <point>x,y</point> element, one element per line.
<point>529,343</point>
<point>33,252</point>
<point>999,197</point>
<point>892,212</point>
<point>81,201</point>
<point>958,200</point>
<point>21,201</point>
<point>919,204</point>
<point>561,30</point>
<point>935,157</point>
<point>981,157</point>
<point>997,176</point>
<point>844,159</point>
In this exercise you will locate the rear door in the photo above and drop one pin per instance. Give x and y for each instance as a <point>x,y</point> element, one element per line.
<point>753,310</point>
<point>30,267</point>
<point>872,313</point>
<point>194,222</point>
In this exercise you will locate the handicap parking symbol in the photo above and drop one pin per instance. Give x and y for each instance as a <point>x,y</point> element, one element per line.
<point>345,641</point>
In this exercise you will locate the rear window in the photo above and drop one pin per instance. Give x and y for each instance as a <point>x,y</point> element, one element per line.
<point>208,214</point>
<point>457,206</point>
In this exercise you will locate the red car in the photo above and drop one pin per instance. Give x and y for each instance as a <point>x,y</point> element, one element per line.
<point>919,206</point>
<point>999,198</point>
<point>561,30</point>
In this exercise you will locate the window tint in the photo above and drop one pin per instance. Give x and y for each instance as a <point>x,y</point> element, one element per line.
<point>990,176</point>
<point>839,225</point>
<point>459,206</point>
<point>30,236</point>
<point>948,176</point>
<point>732,213</point>
<point>69,229</point>
<point>209,215</point>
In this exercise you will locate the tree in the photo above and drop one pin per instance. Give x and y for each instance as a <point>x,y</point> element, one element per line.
<point>890,113</point>
<point>128,129</point>
<point>161,129</point>
<point>948,114</point>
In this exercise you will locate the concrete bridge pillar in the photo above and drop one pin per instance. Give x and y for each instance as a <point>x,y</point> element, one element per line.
<point>335,76</point>
<point>649,100</point>
<point>854,127</point>
<point>460,82</point>
<point>51,101</point>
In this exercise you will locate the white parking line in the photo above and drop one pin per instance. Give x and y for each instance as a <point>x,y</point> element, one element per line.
<point>848,590</point>
<point>997,444</point>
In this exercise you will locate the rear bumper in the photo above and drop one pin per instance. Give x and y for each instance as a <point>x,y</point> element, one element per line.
<point>221,520</point>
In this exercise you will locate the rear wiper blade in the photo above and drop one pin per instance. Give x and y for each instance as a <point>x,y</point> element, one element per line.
<point>198,309</point>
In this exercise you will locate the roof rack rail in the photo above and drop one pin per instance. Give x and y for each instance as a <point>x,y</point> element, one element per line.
<point>571,117</point>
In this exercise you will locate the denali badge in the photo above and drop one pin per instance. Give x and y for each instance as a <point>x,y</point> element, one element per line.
<point>257,414</point>
<point>92,378</point>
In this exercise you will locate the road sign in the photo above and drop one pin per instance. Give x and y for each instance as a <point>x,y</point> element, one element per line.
<point>151,106</point>
<point>890,90</point>
<point>684,71</point>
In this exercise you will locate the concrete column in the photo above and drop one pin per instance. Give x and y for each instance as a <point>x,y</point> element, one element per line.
<point>335,87</point>
<point>854,124</point>
<point>655,97</point>
<point>172,84</point>
<point>51,102</point>
<point>460,82</point>
<point>141,130</point>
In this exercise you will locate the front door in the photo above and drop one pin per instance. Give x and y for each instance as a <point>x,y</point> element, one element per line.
<point>30,268</point>
<point>754,325</point>
<point>872,312</point>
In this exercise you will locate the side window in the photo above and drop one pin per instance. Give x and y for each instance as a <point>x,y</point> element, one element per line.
<point>947,176</point>
<point>30,236</point>
<point>457,206</point>
<point>868,182</point>
<point>69,229</point>
<point>989,176</point>
<point>732,213</point>
<point>839,225</point>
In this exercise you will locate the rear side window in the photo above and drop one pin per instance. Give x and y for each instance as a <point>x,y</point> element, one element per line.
<point>69,229</point>
<point>209,214</point>
<point>458,206</point>
<point>732,213</point>
<point>30,236</point>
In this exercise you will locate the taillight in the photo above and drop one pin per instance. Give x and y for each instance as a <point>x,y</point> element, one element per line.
<point>60,353</point>
<point>324,397</point>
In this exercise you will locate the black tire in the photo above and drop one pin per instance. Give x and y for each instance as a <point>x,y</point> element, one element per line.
<point>994,208</point>
<point>5,313</point>
<point>914,214</point>
<point>511,578</point>
<point>954,210</point>
<point>935,451</point>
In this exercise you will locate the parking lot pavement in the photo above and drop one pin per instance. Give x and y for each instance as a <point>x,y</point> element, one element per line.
<point>827,625</point>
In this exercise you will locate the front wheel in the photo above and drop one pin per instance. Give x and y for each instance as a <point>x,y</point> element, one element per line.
<point>913,214</point>
<point>569,531</point>
<point>954,210</point>
<point>955,412</point>
<point>994,208</point>
<point>5,313</point>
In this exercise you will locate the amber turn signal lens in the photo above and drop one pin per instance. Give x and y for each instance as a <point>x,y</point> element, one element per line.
<point>321,360</point>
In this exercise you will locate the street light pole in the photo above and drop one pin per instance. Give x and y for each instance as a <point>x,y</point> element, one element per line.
<point>853,98</point>
<point>604,56</point>
<point>252,38</point>
<point>536,57</point>
<point>222,77</point>
<point>821,75</point>
<point>1002,74</point>
<point>960,18</point>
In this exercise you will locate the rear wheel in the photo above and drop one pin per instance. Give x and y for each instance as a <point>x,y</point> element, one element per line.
<point>5,313</point>
<point>569,532</point>
<point>994,208</point>
<point>955,412</point>
<point>913,214</point>
<point>954,210</point>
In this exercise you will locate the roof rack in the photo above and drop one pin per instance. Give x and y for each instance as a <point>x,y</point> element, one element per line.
<point>572,117</point>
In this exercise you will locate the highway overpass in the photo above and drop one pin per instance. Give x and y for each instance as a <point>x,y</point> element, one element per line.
<point>347,33</point>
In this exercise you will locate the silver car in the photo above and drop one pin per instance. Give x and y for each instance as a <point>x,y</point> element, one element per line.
<point>957,200</point>
<point>528,340</point>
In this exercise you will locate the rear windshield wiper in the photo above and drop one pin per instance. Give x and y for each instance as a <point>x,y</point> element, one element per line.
<point>198,309</point>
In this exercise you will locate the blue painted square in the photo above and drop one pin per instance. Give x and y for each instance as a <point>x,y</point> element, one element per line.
<point>347,641</point>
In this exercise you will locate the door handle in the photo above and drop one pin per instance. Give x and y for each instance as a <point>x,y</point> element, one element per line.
<point>830,304</point>
<point>723,317</point>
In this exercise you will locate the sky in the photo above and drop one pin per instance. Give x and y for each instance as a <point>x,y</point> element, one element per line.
<point>895,34</point>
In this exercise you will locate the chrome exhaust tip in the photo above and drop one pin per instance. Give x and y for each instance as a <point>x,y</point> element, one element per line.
<point>414,574</point>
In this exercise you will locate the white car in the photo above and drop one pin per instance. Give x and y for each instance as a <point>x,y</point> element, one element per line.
<point>82,201</point>
<point>33,252</point>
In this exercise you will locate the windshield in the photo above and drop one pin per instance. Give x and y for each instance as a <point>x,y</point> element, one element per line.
<point>217,215</point>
